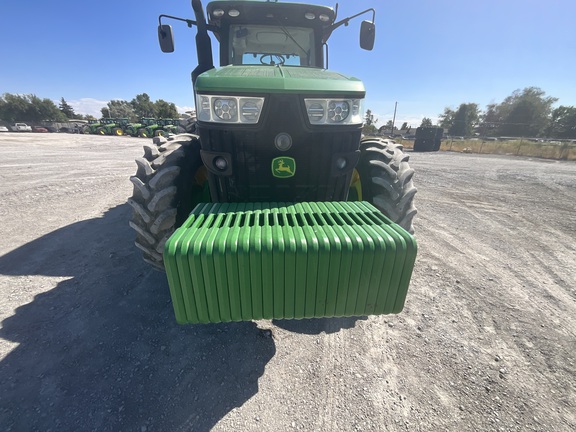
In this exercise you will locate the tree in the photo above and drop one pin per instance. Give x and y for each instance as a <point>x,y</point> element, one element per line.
<point>524,113</point>
<point>465,119</point>
<point>165,109</point>
<point>143,106</point>
<point>120,109</point>
<point>28,108</point>
<point>426,122</point>
<point>404,126</point>
<point>447,118</point>
<point>369,123</point>
<point>489,121</point>
<point>563,122</point>
<point>389,126</point>
<point>66,109</point>
<point>369,118</point>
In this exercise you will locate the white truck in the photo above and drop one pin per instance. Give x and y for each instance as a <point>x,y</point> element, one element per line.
<point>21,127</point>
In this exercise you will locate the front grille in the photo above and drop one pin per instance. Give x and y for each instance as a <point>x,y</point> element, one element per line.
<point>252,150</point>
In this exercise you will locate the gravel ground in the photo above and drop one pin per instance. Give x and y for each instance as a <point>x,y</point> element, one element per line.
<point>88,341</point>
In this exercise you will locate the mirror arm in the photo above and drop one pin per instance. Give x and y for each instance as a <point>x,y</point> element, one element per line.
<point>346,21</point>
<point>188,22</point>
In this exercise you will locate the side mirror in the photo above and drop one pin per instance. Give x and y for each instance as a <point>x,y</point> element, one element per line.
<point>367,35</point>
<point>166,38</point>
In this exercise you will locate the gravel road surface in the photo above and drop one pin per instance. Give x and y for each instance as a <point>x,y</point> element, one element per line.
<point>487,340</point>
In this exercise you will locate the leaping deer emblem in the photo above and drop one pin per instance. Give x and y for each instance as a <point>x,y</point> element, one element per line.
<point>283,167</point>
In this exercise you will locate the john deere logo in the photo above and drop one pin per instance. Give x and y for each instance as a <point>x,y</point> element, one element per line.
<point>283,167</point>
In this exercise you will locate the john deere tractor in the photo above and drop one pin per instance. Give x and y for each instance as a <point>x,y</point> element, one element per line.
<point>112,126</point>
<point>91,127</point>
<point>172,125</point>
<point>139,129</point>
<point>277,207</point>
<point>160,127</point>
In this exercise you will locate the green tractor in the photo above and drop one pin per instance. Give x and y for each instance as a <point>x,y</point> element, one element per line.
<point>277,208</point>
<point>171,126</point>
<point>112,126</point>
<point>91,127</point>
<point>160,127</point>
<point>139,129</point>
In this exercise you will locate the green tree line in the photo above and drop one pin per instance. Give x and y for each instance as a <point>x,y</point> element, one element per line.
<point>525,113</point>
<point>30,108</point>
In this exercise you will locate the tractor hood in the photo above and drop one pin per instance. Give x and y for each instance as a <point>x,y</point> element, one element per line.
<point>278,79</point>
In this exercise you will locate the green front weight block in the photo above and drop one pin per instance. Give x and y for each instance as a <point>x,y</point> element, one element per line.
<point>250,261</point>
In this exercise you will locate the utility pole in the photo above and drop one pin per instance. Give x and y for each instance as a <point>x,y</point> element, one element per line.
<point>394,118</point>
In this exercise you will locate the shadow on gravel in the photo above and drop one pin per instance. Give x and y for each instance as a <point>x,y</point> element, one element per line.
<point>318,325</point>
<point>102,351</point>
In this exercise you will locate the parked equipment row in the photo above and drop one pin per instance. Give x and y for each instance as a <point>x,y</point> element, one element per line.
<point>147,127</point>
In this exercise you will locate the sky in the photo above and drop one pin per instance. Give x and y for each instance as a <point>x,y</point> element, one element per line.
<point>428,54</point>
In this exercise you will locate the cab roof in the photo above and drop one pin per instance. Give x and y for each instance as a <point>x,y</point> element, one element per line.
<point>223,13</point>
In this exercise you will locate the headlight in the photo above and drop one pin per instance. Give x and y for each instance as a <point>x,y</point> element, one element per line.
<point>334,111</point>
<point>229,109</point>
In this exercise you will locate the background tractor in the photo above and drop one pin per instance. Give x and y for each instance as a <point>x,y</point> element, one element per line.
<point>112,126</point>
<point>249,216</point>
<point>172,126</point>
<point>91,127</point>
<point>133,129</point>
<point>160,127</point>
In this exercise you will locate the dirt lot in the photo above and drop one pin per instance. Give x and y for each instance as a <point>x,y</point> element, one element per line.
<point>487,340</point>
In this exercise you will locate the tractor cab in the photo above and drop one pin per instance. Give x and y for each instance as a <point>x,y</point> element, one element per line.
<point>280,34</point>
<point>271,98</point>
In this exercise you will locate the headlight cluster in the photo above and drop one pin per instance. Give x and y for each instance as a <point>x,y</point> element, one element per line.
<point>228,109</point>
<point>334,111</point>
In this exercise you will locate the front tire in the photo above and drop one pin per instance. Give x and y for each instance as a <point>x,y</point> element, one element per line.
<point>163,191</point>
<point>117,132</point>
<point>386,180</point>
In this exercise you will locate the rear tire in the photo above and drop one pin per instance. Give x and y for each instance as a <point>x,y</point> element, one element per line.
<point>101,131</point>
<point>142,133</point>
<point>162,198</point>
<point>159,133</point>
<point>386,180</point>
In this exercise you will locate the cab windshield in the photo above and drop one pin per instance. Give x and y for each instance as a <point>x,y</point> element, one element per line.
<point>271,45</point>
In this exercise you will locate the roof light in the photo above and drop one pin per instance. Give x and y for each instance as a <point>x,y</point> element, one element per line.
<point>324,18</point>
<point>217,13</point>
<point>233,13</point>
<point>309,15</point>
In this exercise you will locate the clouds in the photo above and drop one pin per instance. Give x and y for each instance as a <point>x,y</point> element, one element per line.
<point>183,109</point>
<point>89,106</point>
